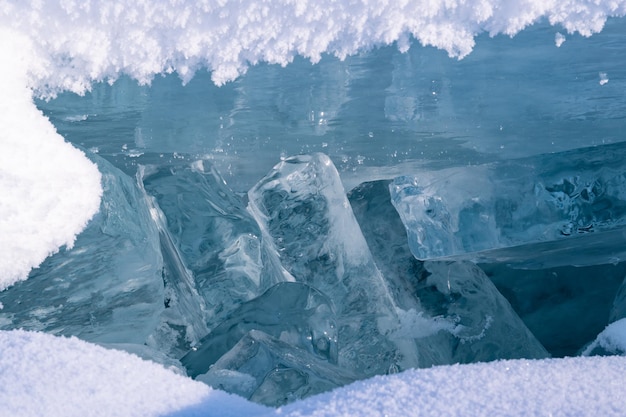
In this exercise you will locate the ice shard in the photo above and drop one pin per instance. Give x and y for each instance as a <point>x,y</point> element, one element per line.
<point>108,288</point>
<point>548,210</point>
<point>210,239</point>
<point>293,312</point>
<point>477,322</point>
<point>302,207</point>
<point>270,371</point>
<point>182,323</point>
<point>487,327</point>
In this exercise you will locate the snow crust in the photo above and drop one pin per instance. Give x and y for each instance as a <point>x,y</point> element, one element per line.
<point>78,41</point>
<point>41,374</point>
<point>54,46</point>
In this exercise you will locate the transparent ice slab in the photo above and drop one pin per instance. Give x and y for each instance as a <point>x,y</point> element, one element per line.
<point>548,210</point>
<point>487,326</point>
<point>478,322</point>
<point>293,312</point>
<point>210,238</point>
<point>267,370</point>
<point>109,287</point>
<point>302,207</point>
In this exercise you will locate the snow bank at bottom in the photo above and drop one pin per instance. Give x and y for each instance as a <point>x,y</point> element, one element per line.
<point>42,374</point>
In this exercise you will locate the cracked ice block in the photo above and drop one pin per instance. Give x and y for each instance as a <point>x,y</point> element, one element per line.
<point>302,207</point>
<point>548,210</point>
<point>210,238</point>
<point>478,323</point>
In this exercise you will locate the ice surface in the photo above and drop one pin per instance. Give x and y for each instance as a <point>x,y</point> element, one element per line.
<point>108,288</point>
<point>58,377</point>
<point>546,199</point>
<point>293,312</point>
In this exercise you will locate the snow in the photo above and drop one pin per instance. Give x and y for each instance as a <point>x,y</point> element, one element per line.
<point>612,339</point>
<point>41,374</point>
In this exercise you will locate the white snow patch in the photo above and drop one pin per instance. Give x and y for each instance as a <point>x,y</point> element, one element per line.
<point>49,189</point>
<point>611,339</point>
<point>42,374</point>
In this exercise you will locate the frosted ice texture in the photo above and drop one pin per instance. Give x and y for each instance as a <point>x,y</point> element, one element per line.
<point>302,207</point>
<point>293,312</point>
<point>108,288</point>
<point>549,199</point>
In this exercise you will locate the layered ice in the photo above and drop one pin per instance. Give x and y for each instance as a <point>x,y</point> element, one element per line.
<point>269,371</point>
<point>293,312</point>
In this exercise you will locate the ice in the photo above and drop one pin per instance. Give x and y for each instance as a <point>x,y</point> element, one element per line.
<point>372,85</point>
<point>487,327</point>
<point>293,312</point>
<point>547,200</point>
<point>270,371</point>
<point>302,207</point>
<point>211,242</point>
<point>550,301</point>
<point>108,288</point>
<point>478,323</point>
